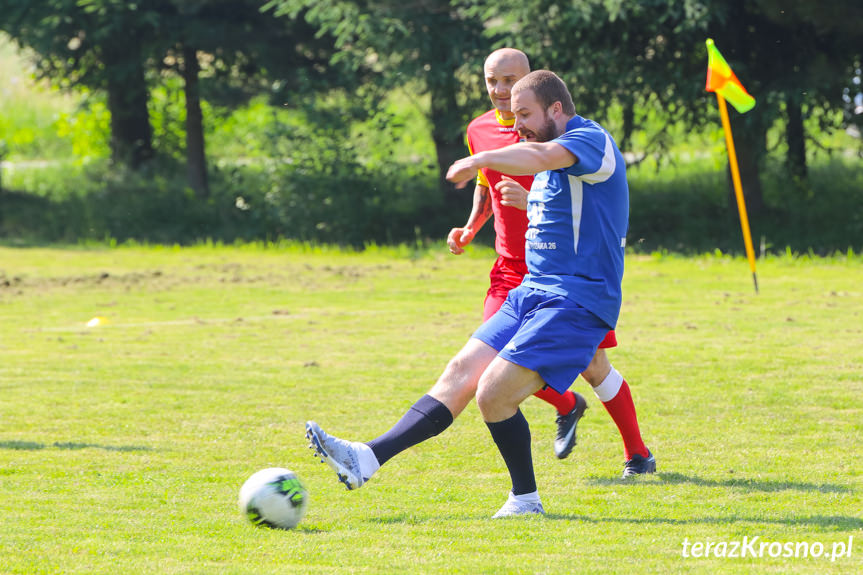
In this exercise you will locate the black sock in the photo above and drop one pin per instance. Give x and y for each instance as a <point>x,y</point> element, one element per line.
<point>425,419</point>
<point>512,437</point>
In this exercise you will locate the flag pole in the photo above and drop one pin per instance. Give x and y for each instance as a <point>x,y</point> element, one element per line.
<point>738,189</point>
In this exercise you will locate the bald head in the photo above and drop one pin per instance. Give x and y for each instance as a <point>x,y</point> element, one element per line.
<point>508,57</point>
<point>503,68</point>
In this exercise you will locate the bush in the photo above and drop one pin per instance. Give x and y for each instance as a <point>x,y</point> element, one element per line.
<point>323,195</point>
<point>692,210</point>
<point>327,199</point>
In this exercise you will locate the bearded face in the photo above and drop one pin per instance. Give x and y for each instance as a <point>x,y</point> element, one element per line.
<point>533,122</point>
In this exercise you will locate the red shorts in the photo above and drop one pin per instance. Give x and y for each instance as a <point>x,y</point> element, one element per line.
<point>505,275</point>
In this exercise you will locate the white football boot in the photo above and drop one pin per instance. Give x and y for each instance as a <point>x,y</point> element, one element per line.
<point>342,456</point>
<point>515,506</point>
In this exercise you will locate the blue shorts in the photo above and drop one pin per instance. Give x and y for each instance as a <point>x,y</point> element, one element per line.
<point>546,333</point>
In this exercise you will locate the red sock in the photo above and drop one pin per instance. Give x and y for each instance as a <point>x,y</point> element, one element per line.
<point>563,402</point>
<point>617,399</point>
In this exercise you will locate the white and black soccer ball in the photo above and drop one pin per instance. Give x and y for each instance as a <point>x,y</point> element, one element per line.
<point>274,497</point>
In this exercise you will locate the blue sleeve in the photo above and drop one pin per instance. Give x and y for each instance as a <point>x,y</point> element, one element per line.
<point>590,146</point>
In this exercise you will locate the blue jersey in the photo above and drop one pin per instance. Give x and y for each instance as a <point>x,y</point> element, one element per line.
<point>578,219</point>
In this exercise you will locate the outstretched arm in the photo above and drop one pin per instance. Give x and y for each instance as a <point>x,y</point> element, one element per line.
<point>520,159</point>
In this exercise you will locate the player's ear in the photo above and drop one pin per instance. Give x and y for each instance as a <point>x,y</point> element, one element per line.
<point>557,108</point>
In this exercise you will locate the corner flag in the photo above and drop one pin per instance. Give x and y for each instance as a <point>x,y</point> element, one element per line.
<point>722,81</point>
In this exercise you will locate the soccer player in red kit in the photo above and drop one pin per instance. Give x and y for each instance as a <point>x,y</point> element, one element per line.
<point>505,198</point>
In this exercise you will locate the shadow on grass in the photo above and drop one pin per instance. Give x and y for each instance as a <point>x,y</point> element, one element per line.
<point>299,529</point>
<point>740,483</point>
<point>825,522</point>
<point>35,446</point>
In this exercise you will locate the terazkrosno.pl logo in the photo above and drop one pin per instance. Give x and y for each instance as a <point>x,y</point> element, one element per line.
<point>755,547</point>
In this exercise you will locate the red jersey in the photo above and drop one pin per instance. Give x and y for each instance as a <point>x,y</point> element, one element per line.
<point>490,132</point>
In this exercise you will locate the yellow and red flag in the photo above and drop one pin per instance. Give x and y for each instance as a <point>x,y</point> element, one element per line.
<point>721,79</point>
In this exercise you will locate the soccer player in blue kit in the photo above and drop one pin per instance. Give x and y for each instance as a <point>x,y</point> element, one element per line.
<point>550,326</point>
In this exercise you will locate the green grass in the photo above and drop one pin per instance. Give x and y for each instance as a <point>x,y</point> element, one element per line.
<point>123,447</point>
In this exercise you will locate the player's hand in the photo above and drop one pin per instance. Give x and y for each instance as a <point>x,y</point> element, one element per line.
<point>461,172</point>
<point>512,193</point>
<point>458,238</point>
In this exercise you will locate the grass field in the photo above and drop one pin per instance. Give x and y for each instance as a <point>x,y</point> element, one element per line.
<point>123,446</point>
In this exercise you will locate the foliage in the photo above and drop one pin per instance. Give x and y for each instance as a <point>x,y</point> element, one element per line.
<point>796,59</point>
<point>324,196</point>
<point>637,54</point>
<point>29,110</point>
<point>87,128</point>
<point>100,45</point>
<point>328,197</point>
<point>688,209</point>
<point>337,133</point>
<point>118,47</point>
<point>433,47</point>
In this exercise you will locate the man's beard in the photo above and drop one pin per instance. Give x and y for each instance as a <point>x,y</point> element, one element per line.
<point>547,132</point>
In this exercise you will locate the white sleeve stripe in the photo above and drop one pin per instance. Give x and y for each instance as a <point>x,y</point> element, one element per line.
<point>609,163</point>
<point>577,198</point>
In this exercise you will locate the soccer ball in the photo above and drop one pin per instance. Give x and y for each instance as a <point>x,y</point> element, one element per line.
<point>274,497</point>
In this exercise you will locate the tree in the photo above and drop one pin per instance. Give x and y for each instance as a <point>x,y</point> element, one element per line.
<point>794,56</point>
<point>196,159</point>
<point>99,44</point>
<point>820,45</point>
<point>118,47</point>
<point>634,54</point>
<point>245,52</point>
<point>431,47</point>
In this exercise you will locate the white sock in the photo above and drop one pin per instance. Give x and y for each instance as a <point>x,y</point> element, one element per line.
<point>368,462</point>
<point>532,497</point>
<point>607,390</point>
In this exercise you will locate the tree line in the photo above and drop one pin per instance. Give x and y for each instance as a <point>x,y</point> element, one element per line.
<point>799,58</point>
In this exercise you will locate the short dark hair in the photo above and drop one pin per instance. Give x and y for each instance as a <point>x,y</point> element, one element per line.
<point>548,88</point>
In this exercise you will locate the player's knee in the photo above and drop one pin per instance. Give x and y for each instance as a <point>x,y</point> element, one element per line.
<point>491,398</point>
<point>458,380</point>
<point>598,368</point>
<point>485,399</point>
<point>459,367</point>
